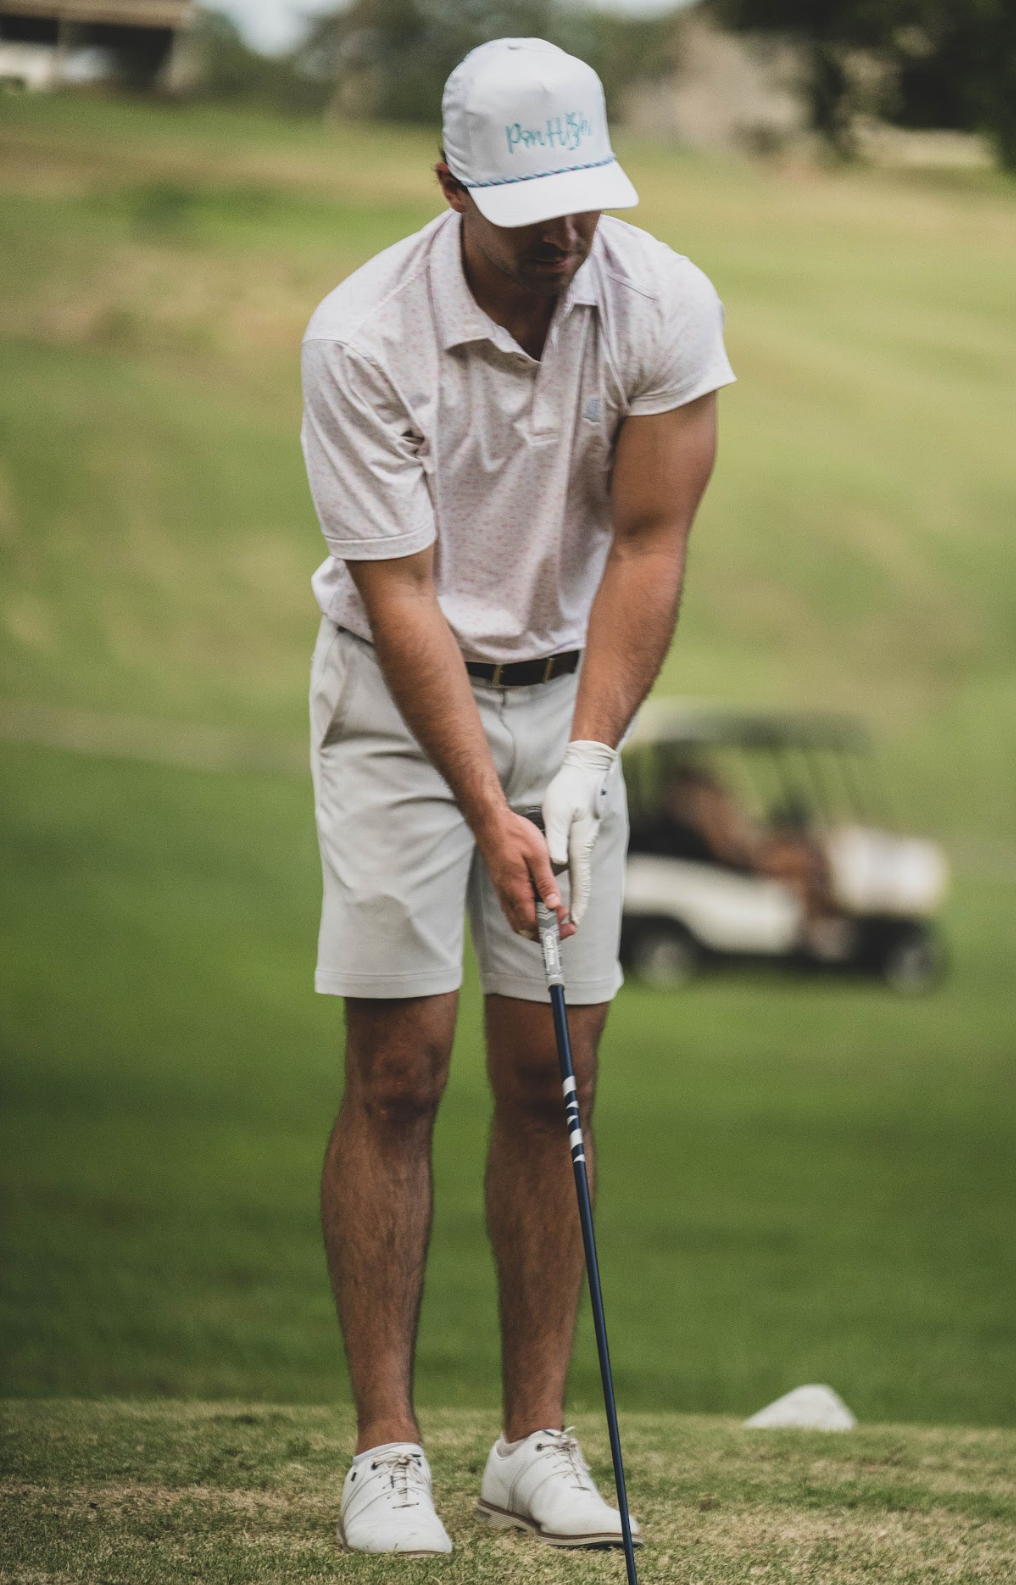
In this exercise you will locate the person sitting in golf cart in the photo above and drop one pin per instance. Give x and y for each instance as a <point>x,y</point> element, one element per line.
<point>700,820</point>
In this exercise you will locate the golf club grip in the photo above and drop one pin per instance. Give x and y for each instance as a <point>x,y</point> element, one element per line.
<point>546,921</point>
<point>550,943</point>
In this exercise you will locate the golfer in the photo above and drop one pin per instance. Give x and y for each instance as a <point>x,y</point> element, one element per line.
<point>510,419</point>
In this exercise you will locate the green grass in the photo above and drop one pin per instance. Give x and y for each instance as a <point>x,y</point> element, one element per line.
<point>223,1492</point>
<point>798,1181</point>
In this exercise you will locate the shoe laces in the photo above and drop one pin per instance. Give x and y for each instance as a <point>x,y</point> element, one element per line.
<point>564,1450</point>
<point>405,1472</point>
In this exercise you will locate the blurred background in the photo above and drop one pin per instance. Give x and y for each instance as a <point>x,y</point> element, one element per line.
<point>804,1177</point>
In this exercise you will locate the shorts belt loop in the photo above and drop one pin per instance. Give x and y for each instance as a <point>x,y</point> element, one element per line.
<point>548,668</point>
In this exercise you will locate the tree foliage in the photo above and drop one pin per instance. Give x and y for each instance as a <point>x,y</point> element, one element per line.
<point>390,58</point>
<point>947,63</point>
<point>228,70</point>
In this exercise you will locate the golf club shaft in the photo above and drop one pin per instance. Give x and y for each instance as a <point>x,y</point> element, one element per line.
<point>551,943</point>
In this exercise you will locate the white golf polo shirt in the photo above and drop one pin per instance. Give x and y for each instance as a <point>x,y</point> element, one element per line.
<point>426,423</point>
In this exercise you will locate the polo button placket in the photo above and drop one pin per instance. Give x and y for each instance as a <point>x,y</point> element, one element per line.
<point>545,420</point>
<point>559,372</point>
<point>545,408</point>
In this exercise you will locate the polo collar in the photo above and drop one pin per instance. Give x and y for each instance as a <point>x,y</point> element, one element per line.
<point>460,319</point>
<point>583,282</point>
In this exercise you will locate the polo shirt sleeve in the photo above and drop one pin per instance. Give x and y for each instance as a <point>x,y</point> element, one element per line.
<point>685,356</point>
<point>367,481</point>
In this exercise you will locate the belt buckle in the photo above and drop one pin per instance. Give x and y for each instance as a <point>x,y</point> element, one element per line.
<point>495,680</point>
<point>548,668</point>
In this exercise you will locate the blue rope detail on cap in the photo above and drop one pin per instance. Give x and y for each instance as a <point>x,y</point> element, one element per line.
<point>536,176</point>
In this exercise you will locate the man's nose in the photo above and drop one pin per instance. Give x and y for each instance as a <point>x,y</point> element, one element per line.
<point>562,232</point>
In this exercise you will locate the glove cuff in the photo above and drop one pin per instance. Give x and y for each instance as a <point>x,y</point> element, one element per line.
<point>589,755</point>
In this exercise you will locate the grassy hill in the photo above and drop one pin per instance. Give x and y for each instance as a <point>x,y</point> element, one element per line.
<point>799,1182</point>
<point>856,545</point>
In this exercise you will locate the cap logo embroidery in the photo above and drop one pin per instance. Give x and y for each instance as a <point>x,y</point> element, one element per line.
<point>562,132</point>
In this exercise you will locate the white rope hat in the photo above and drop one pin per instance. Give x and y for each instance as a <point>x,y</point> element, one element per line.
<point>525,132</point>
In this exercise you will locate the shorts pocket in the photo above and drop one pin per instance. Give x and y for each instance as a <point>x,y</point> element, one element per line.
<point>332,682</point>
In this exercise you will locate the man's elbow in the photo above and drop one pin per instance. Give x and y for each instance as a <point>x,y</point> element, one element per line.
<point>396,583</point>
<point>661,540</point>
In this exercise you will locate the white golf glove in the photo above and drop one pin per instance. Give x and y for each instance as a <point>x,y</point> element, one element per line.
<point>571,816</point>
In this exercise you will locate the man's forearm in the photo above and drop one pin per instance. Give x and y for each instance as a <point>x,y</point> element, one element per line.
<point>661,470</point>
<point>630,628</point>
<point>427,678</point>
<point>425,672</point>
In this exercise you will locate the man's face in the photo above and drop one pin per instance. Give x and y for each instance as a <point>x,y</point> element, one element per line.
<point>542,259</point>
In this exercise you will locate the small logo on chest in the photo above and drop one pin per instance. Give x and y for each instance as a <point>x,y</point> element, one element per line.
<point>592,410</point>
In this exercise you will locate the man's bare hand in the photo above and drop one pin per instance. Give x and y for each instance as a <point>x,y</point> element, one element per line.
<point>515,853</point>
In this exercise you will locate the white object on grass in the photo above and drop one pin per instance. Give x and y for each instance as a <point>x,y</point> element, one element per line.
<point>812,1408</point>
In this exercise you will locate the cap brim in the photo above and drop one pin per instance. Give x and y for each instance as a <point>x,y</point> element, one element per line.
<point>525,203</point>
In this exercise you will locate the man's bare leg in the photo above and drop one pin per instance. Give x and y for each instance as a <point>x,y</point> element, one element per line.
<point>532,1216</point>
<point>376,1199</point>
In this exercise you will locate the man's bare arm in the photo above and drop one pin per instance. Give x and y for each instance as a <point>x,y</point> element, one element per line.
<point>425,672</point>
<point>661,470</point>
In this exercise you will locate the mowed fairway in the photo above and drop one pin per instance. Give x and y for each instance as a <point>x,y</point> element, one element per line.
<point>799,1182</point>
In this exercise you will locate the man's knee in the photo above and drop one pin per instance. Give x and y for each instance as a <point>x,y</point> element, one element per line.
<point>397,1057</point>
<point>534,1087</point>
<point>524,1071</point>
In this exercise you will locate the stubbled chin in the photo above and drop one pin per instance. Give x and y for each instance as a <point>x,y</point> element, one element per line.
<point>547,285</point>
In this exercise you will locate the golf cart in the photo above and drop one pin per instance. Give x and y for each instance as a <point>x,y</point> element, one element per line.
<point>763,837</point>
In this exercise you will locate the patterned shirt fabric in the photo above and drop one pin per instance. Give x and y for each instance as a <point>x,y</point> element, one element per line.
<point>426,423</point>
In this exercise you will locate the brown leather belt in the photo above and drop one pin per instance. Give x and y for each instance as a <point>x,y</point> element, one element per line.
<point>524,673</point>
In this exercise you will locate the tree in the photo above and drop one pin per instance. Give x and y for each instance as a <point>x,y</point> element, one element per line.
<point>229,70</point>
<point>946,62</point>
<point>389,58</point>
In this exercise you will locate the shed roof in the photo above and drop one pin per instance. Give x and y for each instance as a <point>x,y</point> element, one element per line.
<point>122,13</point>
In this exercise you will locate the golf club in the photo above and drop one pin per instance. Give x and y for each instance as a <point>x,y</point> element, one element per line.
<point>550,942</point>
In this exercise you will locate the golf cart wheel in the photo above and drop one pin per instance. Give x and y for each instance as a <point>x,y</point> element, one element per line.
<point>664,956</point>
<point>912,961</point>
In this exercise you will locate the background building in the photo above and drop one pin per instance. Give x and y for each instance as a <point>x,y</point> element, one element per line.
<point>44,43</point>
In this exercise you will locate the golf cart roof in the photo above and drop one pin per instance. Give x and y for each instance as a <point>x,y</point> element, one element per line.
<point>685,721</point>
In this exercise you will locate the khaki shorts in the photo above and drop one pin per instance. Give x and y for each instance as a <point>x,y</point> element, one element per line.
<point>399,862</point>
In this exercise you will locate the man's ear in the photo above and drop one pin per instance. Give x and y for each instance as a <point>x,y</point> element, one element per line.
<point>454,192</point>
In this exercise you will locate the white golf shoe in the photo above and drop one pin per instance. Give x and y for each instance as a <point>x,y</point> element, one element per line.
<point>387,1504</point>
<point>543,1485</point>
